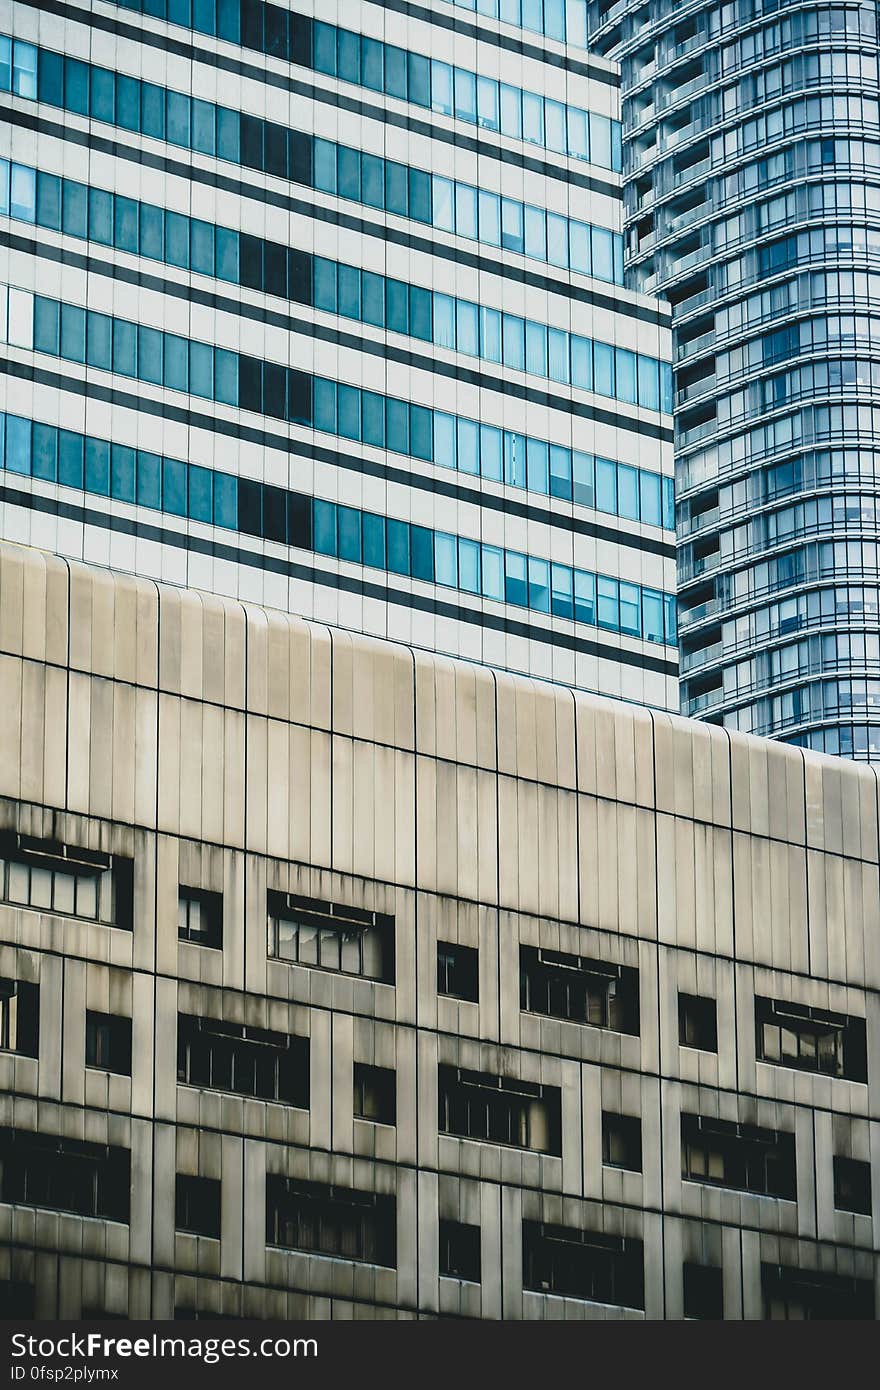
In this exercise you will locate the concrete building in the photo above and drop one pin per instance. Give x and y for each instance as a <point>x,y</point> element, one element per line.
<point>342,979</point>
<point>750,157</point>
<point>323,308</point>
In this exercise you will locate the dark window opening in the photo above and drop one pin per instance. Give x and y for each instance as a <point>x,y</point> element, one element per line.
<point>331,936</point>
<point>242,1059</point>
<point>200,917</point>
<point>580,990</point>
<point>458,971</point>
<point>622,1141</point>
<point>810,1039</point>
<point>197,1205</point>
<point>583,1264</point>
<point>723,1153</point>
<point>108,1042</point>
<point>798,1294</point>
<point>697,1022</point>
<point>703,1292</point>
<point>460,1251</point>
<point>43,1170</point>
<point>325,1219</point>
<point>49,876</point>
<point>375,1094</point>
<point>17,1299</point>
<point>500,1110</point>
<point>20,1017</point>
<point>852,1185</point>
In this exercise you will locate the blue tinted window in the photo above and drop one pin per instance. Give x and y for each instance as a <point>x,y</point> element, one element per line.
<point>608,611</point>
<point>398,546</point>
<point>649,488</point>
<point>152,111</point>
<point>606,486</point>
<point>422,553</point>
<point>225,500</point>
<point>583,477</point>
<point>202,247</point>
<point>421,443</point>
<point>516,587</point>
<point>177,116</point>
<point>558,354</point>
<point>349,537</point>
<point>397,425</point>
<point>325,405</point>
<point>513,341</point>
<point>125,224</point>
<point>98,467</point>
<point>562,598</point>
<point>420,313</point>
<point>75,209</point>
<point>122,473</point>
<point>70,458</point>
<point>625,364</point>
<point>149,480</point>
<point>493,572</point>
<point>73,333</point>
<point>560,472</point>
<point>444,439</point>
<point>603,360</point>
<point>491,453</point>
<point>324,527</point>
<point>374,540</point>
<point>468,451</point>
<point>177,239</point>
<point>174,486</point>
<point>18,444</point>
<point>124,347</point>
<point>469,566</point>
<point>128,102</point>
<point>99,340</point>
<point>539,585</point>
<point>150,355</point>
<point>103,104</point>
<point>652,615</point>
<point>152,233</point>
<point>467,328</point>
<point>627,492</point>
<point>101,216</point>
<point>176,362</point>
<point>537,465</point>
<point>536,348</point>
<point>226,251</point>
<point>348,405</point>
<point>76,86</point>
<point>466,211</point>
<point>649,383</point>
<point>535,233</point>
<point>446,560</point>
<point>490,334</point>
<point>514,459</point>
<point>201,370</point>
<point>46,325</point>
<point>581,363</point>
<point>44,446</point>
<point>630,609</point>
<point>228,134</point>
<point>49,201</point>
<point>23,193</point>
<point>584,597</point>
<point>372,419</point>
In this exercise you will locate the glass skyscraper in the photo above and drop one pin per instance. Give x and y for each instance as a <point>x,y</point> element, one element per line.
<point>323,308</point>
<point>751,155</point>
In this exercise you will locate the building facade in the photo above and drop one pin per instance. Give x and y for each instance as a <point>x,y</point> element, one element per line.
<point>751,153</point>
<point>322,307</point>
<point>339,979</point>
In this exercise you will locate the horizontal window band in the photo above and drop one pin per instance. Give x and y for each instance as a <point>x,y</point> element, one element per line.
<point>476,331</point>
<point>340,338</point>
<point>289,569</point>
<point>383,69</point>
<point>162,483</point>
<point>355,463</point>
<point>235,137</point>
<point>165,164</point>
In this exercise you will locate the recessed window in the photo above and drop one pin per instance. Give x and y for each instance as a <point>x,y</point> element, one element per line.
<point>200,917</point>
<point>20,1017</point>
<point>197,1205</point>
<point>792,1294</point>
<point>48,876</point>
<point>622,1141</point>
<point>331,936</point>
<point>325,1219</point>
<point>723,1153</point>
<point>500,1110</point>
<point>810,1039</point>
<point>245,1060</point>
<point>47,1170</point>
<point>108,1043</point>
<point>697,1022</point>
<point>852,1185</point>
<point>703,1292</point>
<point>458,971</point>
<point>579,990</point>
<point>375,1094</point>
<point>583,1264</point>
<point>460,1251</point>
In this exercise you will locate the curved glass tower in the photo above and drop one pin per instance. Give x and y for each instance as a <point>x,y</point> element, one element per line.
<point>752,161</point>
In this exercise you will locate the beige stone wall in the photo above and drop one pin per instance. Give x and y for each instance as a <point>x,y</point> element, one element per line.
<point>238,749</point>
